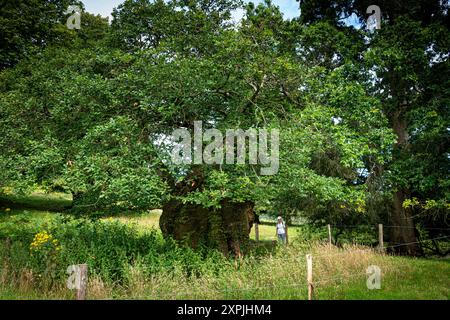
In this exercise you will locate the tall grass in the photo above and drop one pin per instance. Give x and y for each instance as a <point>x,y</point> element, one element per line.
<point>130,263</point>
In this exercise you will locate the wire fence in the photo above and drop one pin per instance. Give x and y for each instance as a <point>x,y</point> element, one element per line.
<point>370,239</point>
<point>301,260</point>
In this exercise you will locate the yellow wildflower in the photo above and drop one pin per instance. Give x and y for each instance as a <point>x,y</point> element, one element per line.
<point>42,238</point>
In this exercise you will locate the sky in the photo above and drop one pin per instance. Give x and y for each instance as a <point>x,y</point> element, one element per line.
<point>289,8</point>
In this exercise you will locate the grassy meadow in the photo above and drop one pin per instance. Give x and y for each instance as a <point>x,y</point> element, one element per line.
<point>129,259</point>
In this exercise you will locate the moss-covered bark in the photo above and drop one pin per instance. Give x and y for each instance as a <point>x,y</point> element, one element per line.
<point>226,229</point>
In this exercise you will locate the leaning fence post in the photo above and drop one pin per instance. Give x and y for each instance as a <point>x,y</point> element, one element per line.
<point>81,288</point>
<point>309,276</point>
<point>257,232</point>
<point>329,234</point>
<point>380,238</point>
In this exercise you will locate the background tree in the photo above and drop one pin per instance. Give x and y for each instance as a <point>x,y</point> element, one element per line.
<point>27,26</point>
<point>90,117</point>
<point>404,57</point>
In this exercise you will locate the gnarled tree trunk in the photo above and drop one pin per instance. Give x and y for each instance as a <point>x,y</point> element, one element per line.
<point>226,229</point>
<point>402,235</point>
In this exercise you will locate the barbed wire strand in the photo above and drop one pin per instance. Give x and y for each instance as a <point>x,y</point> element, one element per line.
<point>297,259</point>
<point>409,243</point>
<point>315,255</point>
<point>360,226</point>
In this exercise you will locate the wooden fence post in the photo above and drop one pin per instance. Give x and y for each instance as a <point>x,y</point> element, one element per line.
<point>329,234</point>
<point>287,237</point>
<point>257,232</point>
<point>380,238</point>
<point>309,276</point>
<point>82,286</point>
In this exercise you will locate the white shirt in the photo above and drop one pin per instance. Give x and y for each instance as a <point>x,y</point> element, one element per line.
<point>280,228</point>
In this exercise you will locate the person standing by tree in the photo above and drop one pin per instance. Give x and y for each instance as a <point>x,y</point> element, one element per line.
<point>281,230</point>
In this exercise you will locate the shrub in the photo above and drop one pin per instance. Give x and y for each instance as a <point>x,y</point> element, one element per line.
<point>108,247</point>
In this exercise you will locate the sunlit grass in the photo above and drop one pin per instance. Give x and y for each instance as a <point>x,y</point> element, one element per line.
<point>268,232</point>
<point>279,273</point>
<point>36,200</point>
<point>338,274</point>
<point>144,221</point>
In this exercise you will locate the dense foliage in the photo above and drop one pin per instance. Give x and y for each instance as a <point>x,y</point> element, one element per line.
<point>363,116</point>
<point>110,248</point>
